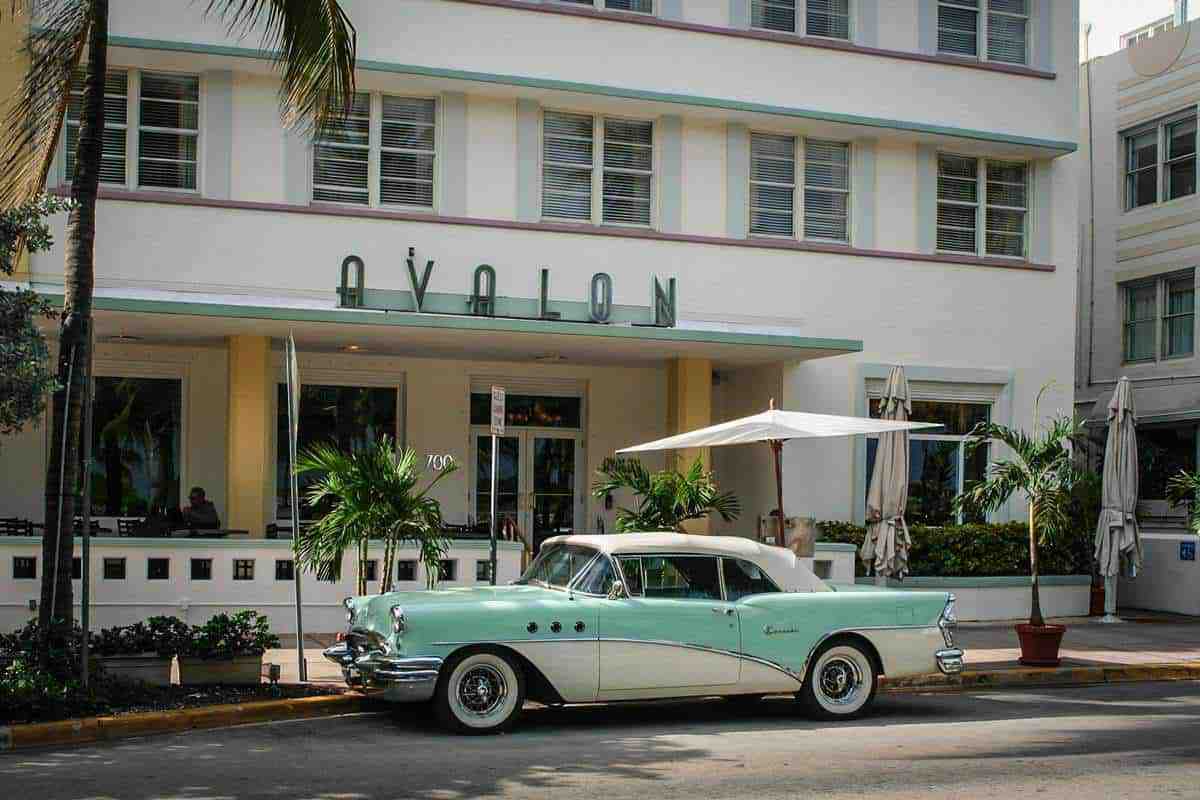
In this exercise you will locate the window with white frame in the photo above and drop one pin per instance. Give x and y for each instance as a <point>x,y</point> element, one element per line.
<point>392,138</point>
<point>638,6</point>
<point>1002,24</point>
<point>609,184</point>
<point>166,148</point>
<point>940,466</point>
<point>1160,318</point>
<point>825,18</point>
<point>116,118</point>
<point>1160,160</point>
<point>823,190</point>
<point>976,195</point>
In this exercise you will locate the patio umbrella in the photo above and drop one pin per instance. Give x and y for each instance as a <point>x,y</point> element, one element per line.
<point>1117,535</point>
<point>776,427</point>
<point>885,547</point>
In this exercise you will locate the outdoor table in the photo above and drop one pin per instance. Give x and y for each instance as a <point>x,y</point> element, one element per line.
<point>210,533</point>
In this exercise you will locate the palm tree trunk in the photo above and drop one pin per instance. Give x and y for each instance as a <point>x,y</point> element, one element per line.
<point>1035,609</point>
<point>389,556</point>
<point>362,567</point>
<point>75,355</point>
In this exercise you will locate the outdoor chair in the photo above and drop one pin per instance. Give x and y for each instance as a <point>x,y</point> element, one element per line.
<point>15,526</point>
<point>126,526</point>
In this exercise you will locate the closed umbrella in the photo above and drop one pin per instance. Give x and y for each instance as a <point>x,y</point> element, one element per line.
<point>885,547</point>
<point>1117,536</point>
<point>776,427</point>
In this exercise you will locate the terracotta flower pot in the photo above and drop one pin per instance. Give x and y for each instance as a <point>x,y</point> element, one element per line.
<point>1039,644</point>
<point>241,670</point>
<point>1096,601</point>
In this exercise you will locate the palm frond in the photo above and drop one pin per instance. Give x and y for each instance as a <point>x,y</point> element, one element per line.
<point>665,499</point>
<point>314,45</point>
<point>1183,489</point>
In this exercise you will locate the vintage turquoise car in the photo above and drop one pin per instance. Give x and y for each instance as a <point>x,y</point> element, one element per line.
<point>641,616</point>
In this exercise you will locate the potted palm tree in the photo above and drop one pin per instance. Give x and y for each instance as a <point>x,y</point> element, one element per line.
<point>1041,469</point>
<point>373,493</point>
<point>666,499</point>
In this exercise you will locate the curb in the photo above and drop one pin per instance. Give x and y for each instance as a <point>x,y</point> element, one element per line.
<point>98,729</point>
<point>1052,676</point>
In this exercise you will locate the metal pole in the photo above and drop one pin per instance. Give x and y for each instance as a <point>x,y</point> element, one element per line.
<point>777,451</point>
<point>293,384</point>
<point>86,548</point>
<point>492,516</point>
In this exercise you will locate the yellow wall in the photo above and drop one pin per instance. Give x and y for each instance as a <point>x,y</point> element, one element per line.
<point>251,405</point>
<point>689,406</point>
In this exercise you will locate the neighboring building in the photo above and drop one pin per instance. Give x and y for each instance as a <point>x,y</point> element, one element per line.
<point>1139,259</point>
<point>1156,28</point>
<point>686,209</point>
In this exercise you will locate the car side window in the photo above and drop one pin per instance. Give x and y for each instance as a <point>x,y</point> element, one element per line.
<point>681,577</point>
<point>598,578</point>
<point>743,578</point>
<point>631,567</point>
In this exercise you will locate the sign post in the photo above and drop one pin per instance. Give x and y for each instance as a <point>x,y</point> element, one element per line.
<point>497,431</point>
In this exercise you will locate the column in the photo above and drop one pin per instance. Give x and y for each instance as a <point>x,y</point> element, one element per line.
<point>689,406</point>
<point>249,450</point>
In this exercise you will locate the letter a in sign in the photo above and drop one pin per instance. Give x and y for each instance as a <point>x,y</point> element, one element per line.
<point>497,411</point>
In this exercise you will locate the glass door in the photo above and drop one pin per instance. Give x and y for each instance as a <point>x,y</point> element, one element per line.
<point>553,491</point>
<point>508,481</point>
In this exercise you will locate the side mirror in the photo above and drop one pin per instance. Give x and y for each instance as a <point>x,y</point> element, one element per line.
<point>616,591</point>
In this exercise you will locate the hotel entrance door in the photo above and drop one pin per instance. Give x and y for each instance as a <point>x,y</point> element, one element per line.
<point>540,482</point>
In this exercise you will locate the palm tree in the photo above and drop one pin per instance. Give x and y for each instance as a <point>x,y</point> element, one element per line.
<point>666,499</point>
<point>370,494</point>
<point>313,45</point>
<point>1042,470</point>
<point>1184,490</point>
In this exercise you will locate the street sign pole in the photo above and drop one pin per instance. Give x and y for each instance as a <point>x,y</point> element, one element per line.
<point>497,432</point>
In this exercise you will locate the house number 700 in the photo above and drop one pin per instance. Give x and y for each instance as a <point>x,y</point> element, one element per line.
<point>438,461</point>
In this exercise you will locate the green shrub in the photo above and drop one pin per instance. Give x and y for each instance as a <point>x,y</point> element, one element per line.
<point>975,550</point>
<point>164,636</point>
<point>246,633</point>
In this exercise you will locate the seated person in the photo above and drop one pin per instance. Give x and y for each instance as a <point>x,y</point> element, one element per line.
<point>200,514</point>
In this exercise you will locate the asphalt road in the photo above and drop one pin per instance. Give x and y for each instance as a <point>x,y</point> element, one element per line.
<point>1132,740</point>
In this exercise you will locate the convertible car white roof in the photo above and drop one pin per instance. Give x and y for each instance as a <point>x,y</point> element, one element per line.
<point>781,564</point>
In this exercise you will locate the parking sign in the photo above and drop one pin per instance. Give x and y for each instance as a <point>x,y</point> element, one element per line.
<point>497,411</point>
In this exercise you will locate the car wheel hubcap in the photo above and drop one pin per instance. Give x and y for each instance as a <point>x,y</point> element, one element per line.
<point>482,690</point>
<point>840,681</point>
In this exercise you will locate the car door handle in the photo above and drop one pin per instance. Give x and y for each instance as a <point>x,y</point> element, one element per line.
<point>726,611</point>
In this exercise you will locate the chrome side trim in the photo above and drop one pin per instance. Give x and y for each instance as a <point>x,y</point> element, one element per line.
<point>949,661</point>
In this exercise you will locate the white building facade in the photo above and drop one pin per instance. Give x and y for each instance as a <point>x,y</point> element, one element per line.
<point>642,217</point>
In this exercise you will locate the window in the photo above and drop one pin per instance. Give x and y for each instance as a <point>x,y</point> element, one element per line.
<point>136,435</point>
<point>351,417</point>
<point>939,465</point>
<point>202,569</point>
<point>1142,310</point>
<point>406,570</point>
<point>743,578</point>
<point>639,6</point>
<point>635,580</point>
<point>521,410</point>
<point>1006,22</point>
<point>828,18</point>
<point>243,569</point>
<point>598,578</point>
<point>681,577</point>
<point>773,15</point>
<point>557,565</point>
<point>343,154</point>
<point>1150,179</point>
<point>447,570</point>
<point>285,569</point>
<point>168,131</point>
<point>116,109</point>
<point>114,569</point>
<point>1001,215</point>
<point>483,571</point>
<point>825,189</point>
<point>24,568</point>
<point>574,170</point>
<point>76,568</point>
<point>372,570</point>
<point>1163,451</point>
<point>158,569</point>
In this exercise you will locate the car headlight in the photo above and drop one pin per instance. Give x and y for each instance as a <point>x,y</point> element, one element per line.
<point>399,622</point>
<point>348,603</point>
<point>948,621</point>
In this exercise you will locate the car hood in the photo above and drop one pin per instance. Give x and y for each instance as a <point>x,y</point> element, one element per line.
<point>467,595</point>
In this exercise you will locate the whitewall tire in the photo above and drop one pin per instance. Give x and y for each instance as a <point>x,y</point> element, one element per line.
<point>480,692</point>
<point>841,682</point>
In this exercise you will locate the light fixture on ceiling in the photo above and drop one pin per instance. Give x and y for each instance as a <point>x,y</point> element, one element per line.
<point>550,358</point>
<point>353,348</point>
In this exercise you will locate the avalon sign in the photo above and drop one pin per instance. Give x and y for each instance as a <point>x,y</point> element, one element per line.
<point>483,301</point>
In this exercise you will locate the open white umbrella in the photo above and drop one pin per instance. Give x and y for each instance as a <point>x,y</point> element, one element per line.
<point>776,427</point>
<point>1117,535</point>
<point>885,547</point>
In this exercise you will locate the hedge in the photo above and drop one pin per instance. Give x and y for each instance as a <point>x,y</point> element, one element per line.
<point>971,551</point>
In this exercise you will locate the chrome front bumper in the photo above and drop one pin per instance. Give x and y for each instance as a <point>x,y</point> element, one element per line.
<point>950,661</point>
<point>403,680</point>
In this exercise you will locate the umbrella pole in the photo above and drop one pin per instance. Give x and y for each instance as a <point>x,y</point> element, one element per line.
<point>777,451</point>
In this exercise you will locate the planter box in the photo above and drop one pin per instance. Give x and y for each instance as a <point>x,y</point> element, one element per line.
<point>991,599</point>
<point>152,669</point>
<point>243,670</point>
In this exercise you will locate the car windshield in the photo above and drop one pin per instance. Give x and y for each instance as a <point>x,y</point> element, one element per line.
<point>557,565</point>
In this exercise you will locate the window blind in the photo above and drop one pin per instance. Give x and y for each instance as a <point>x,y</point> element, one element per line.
<point>341,157</point>
<point>772,184</point>
<point>1179,322</point>
<point>773,15</point>
<point>829,18</point>
<point>628,171</point>
<point>567,154</point>
<point>1007,25</point>
<point>958,201</point>
<point>168,130</point>
<point>958,27</point>
<point>1007,204</point>
<point>116,106</point>
<point>640,6</point>
<point>407,154</point>
<point>1140,304</point>
<point>826,190</point>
